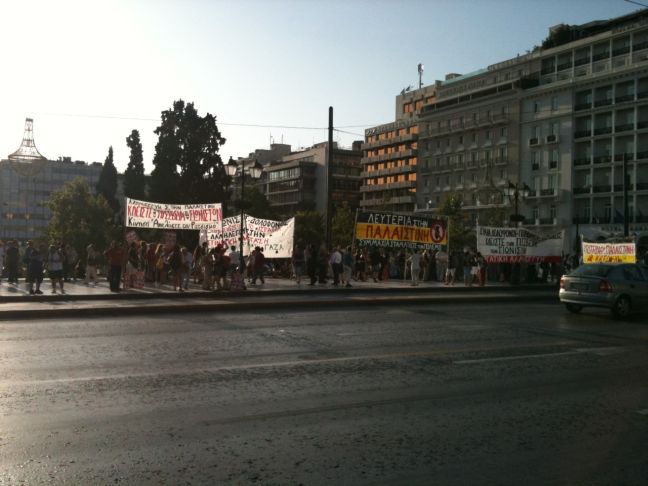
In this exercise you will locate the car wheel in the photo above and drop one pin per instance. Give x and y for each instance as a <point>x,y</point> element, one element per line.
<point>622,307</point>
<point>574,308</point>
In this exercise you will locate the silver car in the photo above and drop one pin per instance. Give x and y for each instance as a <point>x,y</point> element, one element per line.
<point>622,288</point>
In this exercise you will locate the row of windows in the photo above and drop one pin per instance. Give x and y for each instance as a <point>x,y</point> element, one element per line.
<point>472,138</point>
<point>377,181</point>
<point>475,118</point>
<point>401,132</point>
<point>391,164</point>
<point>472,158</point>
<point>394,149</point>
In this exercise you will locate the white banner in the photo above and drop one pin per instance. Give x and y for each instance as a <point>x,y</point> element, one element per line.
<point>275,237</point>
<point>144,214</point>
<point>512,245</point>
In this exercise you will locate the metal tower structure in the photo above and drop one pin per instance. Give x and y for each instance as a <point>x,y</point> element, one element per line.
<point>27,150</point>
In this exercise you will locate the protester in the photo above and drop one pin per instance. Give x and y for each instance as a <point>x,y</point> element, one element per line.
<point>259,265</point>
<point>2,258</point>
<point>219,267</point>
<point>322,264</point>
<point>481,266</point>
<point>115,256</point>
<point>297,261</point>
<point>360,265</point>
<point>176,265</point>
<point>92,260</point>
<point>374,260</point>
<point>415,266</point>
<point>442,265</point>
<point>347,266</point>
<point>69,265</point>
<point>336,265</point>
<point>187,261</point>
<point>55,262</point>
<point>12,258</point>
<point>207,269</point>
<point>310,258</point>
<point>468,264</point>
<point>235,259</point>
<point>34,260</point>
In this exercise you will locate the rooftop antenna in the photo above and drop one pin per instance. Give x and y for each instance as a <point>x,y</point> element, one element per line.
<point>27,150</point>
<point>420,71</point>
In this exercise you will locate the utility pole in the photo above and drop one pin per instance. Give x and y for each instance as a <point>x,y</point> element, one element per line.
<point>626,209</point>
<point>329,179</point>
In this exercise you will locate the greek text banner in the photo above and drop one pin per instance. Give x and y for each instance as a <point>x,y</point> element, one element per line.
<point>609,253</point>
<point>144,214</point>
<point>513,245</point>
<point>389,230</point>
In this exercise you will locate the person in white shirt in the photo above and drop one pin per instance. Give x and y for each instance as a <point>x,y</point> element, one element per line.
<point>415,263</point>
<point>336,265</point>
<point>235,260</point>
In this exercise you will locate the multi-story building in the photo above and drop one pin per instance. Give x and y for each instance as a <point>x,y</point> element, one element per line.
<point>390,156</point>
<point>560,120</point>
<point>27,179</point>
<point>298,180</point>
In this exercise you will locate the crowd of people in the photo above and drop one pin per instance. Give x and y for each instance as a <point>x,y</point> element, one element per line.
<point>131,265</point>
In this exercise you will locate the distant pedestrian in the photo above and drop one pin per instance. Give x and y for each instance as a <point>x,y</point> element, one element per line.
<point>310,259</point>
<point>323,263</point>
<point>415,266</point>
<point>235,259</point>
<point>481,268</point>
<point>34,261</point>
<point>347,266</point>
<point>12,259</point>
<point>69,266</point>
<point>115,256</point>
<point>92,260</point>
<point>297,261</point>
<point>259,265</point>
<point>2,258</point>
<point>55,262</point>
<point>468,264</point>
<point>336,265</point>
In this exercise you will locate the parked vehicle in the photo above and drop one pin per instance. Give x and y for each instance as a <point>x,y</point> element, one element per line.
<point>621,288</point>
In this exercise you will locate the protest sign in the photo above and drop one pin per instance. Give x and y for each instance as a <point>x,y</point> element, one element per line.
<point>609,252</point>
<point>144,214</point>
<point>514,245</point>
<point>388,230</point>
<point>275,237</point>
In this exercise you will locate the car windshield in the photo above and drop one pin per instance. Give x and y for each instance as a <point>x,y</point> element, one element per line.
<point>592,271</point>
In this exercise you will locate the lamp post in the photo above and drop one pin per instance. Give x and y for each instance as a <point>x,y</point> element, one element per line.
<point>514,192</point>
<point>254,170</point>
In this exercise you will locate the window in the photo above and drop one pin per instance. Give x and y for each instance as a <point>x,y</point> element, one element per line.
<point>554,103</point>
<point>489,135</point>
<point>460,139</point>
<point>536,107</point>
<point>503,132</point>
<point>536,213</point>
<point>552,212</point>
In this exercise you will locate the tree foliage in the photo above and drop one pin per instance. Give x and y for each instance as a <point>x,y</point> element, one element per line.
<point>257,205</point>
<point>309,227</point>
<point>134,179</point>
<point>188,168</point>
<point>342,225</point>
<point>107,183</point>
<point>460,230</point>
<point>79,217</point>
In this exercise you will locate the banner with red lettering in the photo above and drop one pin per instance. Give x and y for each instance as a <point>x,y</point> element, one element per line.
<point>144,214</point>
<point>389,230</point>
<point>516,245</point>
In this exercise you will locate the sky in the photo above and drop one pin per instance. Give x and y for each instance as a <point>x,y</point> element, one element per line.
<point>89,72</point>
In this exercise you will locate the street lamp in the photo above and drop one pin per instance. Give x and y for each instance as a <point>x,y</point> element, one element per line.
<point>514,193</point>
<point>254,170</point>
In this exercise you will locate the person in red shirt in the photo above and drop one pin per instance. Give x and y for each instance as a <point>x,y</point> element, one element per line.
<point>116,256</point>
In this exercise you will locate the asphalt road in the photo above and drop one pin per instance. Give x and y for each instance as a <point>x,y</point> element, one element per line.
<point>438,394</point>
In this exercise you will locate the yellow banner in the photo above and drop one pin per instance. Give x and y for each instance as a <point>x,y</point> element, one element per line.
<point>609,253</point>
<point>391,232</point>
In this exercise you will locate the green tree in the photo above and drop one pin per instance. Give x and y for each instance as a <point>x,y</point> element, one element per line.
<point>107,183</point>
<point>342,225</point>
<point>79,217</point>
<point>188,168</point>
<point>134,179</point>
<point>309,227</point>
<point>257,205</point>
<point>461,232</point>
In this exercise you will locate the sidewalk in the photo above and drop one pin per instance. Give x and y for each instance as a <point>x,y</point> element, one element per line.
<point>83,301</point>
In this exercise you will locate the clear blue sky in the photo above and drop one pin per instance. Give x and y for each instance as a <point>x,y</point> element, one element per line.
<point>89,72</point>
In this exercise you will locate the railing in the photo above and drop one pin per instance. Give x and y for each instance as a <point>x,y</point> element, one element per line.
<point>581,61</point>
<point>581,190</point>
<point>603,102</point>
<point>603,188</point>
<point>620,51</point>
<point>642,94</point>
<point>641,186</point>
<point>548,70</point>
<point>552,138</point>
<point>584,106</point>
<point>603,159</point>
<point>583,161</point>
<point>565,65</point>
<point>601,55</point>
<point>602,130</point>
<point>580,220</point>
<point>583,133</point>
<point>548,192</point>
<point>640,45</point>
<point>624,127</point>
<point>624,98</point>
<point>620,157</point>
<point>642,155</point>
<point>546,221</point>
<point>533,141</point>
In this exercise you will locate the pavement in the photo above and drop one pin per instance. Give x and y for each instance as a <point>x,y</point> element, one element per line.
<point>83,300</point>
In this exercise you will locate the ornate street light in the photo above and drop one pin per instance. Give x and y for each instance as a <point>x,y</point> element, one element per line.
<point>254,170</point>
<point>514,192</point>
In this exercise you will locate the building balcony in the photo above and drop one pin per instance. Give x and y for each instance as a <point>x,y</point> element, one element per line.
<point>639,46</point>
<point>601,55</point>
<point>532,193</point>
<point>582,161</point>
<point>603,159</point>
<point>582,61</point>
<point>552,138</point>
<point>642,155</point>
<point>583,106</point>
<point>548,192</point>
<point>534,141</point>
<point>565,65</point>
<point>583,133</point>
<point>641,186</point>
<point>620,157</point>
<point>603,102</point>
<point>500,118</point>
<point>581,190</point>
<point>602,130</point>
<point>602,188</point>
<point>642,125</point>
<point>548,70</point>
<point>553,164</point>
<point>547,221</point>
<point>535,166</point>
<point>624,98</point>
<point>580,220</point>
<point>625,127</point>
<point>501,160</point>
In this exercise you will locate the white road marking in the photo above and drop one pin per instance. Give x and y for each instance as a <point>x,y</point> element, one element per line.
<point>597,351</point>
<point>643,412</point>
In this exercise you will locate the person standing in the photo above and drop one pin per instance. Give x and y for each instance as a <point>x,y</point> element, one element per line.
<point>115,256</point>
<point>323,263</point>
<point>235,259</point>
<point>92,260</point>
<point>69,266</point>
<point>187,259</point>
<point>311,263</point>
<point>2,258</point>
<point>55,262</point>
<point>298,263</point>
<point>468,264</point>
<point>415,266</point>
<point>34,260</point>
<point>481,268</point>
<point>347,266</point>
<point>336,265</point>
<point>259,265</point>
<point>12,257</point>
<point>175,262</point>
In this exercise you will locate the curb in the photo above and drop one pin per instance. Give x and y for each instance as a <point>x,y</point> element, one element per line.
<point>103,311</point>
